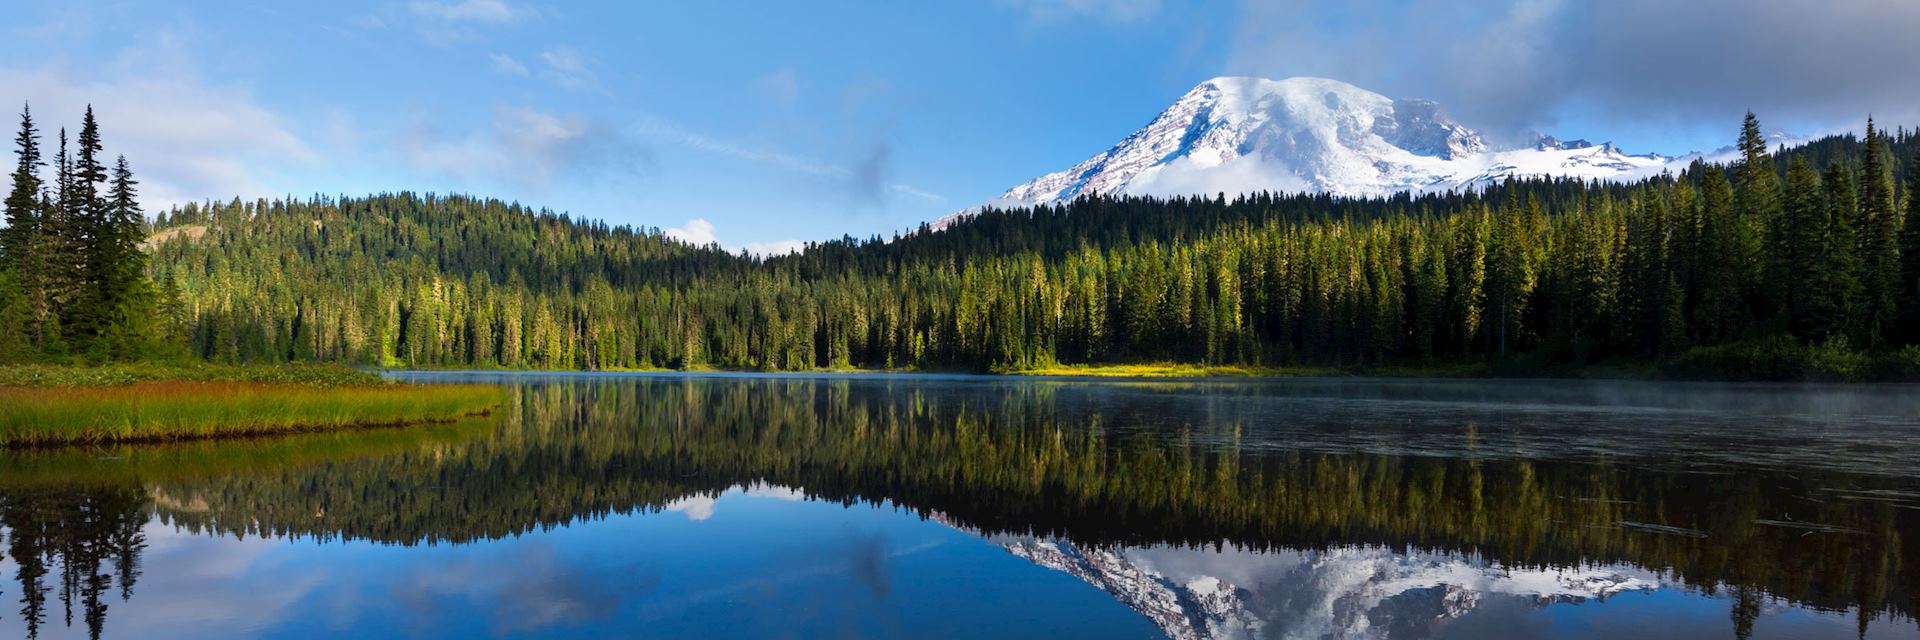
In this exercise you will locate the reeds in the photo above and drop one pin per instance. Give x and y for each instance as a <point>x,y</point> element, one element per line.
<point>179,410</point>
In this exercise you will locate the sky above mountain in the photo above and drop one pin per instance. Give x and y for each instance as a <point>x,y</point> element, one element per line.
<point>762,123</point>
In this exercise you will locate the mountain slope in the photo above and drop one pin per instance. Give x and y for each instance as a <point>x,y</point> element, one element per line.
<point>1239,135</point>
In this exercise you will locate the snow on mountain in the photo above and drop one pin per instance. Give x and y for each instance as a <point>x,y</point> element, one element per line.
<point>1202,608</point>
<point>1364,592</point>
<point>1238,135</point>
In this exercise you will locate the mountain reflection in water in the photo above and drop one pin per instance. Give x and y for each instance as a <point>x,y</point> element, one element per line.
<point>1308,509</point>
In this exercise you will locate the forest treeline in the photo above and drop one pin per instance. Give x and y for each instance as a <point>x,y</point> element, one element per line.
<point>1782,265</point>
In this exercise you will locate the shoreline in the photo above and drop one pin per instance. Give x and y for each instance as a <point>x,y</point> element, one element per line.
<point>1055,376</point>
<point>50,406</point>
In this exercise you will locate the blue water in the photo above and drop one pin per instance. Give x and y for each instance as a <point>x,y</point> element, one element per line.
<point>972,507</point>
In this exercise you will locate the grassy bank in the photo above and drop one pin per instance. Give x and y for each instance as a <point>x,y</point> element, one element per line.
<point>46,405</point>
<point>43,375</point>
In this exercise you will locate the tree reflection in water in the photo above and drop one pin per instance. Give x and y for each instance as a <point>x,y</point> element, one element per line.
<point>1127,467</point>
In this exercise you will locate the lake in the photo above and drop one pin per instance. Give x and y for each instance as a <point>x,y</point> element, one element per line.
<point>749,506</point>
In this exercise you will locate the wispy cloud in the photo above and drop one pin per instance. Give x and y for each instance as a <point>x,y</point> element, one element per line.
<point>567,67</point>
<point>491,11</point>
<point>780,87</point>
<point>187,138</point>
<point>445,23</point>
<point>504,63</point>
<point>1108,10</point>
<point>525,146</point>
<point>867,179</point>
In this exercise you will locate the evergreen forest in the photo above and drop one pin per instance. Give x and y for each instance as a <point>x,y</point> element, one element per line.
<point>1784,263</point>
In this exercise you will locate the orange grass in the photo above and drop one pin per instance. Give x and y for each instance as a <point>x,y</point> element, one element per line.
<point>178,410</point>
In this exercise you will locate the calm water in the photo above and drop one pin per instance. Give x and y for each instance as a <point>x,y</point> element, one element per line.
<point>768,507</point>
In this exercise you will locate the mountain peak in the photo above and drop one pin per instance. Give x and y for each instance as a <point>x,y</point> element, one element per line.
<point>1242,134</point>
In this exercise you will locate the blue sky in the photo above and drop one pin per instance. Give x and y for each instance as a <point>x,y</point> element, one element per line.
<point>772,122</point>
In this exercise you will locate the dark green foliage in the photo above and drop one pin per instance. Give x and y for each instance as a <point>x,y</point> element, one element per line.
<point>17,241</point>
<point>1910,261</point>
<point>1814,258</point>
<point>1555,273</point>
<point>75,277</point>
<point>1879,228</point>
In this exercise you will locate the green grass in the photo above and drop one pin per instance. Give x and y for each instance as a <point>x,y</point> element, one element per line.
<point>145,463</point>
<point>43,406</point>
<point>43,375</point>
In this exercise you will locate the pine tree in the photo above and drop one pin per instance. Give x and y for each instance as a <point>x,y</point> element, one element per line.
<point>1814,308</point>
<point>1879,228</point>
<point>124,295</point>
<point>1719,311</point>
<point>63,235</point>
<point>90,314</point>
<point>1466,289</point>
<point>22,205</point>
<point>1841,257</point>
<point>1909,292</point>
<point>23,243</point>
<point>1761,231</point>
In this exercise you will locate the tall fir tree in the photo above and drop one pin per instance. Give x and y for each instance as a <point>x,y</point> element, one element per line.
<point>1879,228</point>
<point>22,244</point>
<point>1719,310</point>
<point>90,314</point>
<point>23,201</point>
<point>1841,255</point>
<point>63,235</point>
<point>1814,307</point>
<point>1762,232</point>
<point>1909,293</point>
<point>123,293</point>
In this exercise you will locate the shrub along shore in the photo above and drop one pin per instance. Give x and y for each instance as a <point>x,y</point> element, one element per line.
<point>56,405</point>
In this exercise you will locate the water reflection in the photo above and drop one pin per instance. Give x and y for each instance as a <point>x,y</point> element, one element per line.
<point>1374,508</point>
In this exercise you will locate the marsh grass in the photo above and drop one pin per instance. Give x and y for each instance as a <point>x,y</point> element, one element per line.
<point>46,375</point>
<point>42,406</point>
<point>184,460</point>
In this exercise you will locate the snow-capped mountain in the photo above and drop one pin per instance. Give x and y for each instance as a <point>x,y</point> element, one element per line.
<point>1355,592</point>
<point>1238,135</point>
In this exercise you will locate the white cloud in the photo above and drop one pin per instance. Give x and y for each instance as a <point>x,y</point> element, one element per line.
<point>566,67</point>
<point>1109,10</point>
<point>491,11</point>
<point>775,248</point>
<point>699,232</point>
<point>761,489</point>
<point>187,139</point>
<point>1634,66</point>
<point>696,508</point>
<point>504,63</point>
